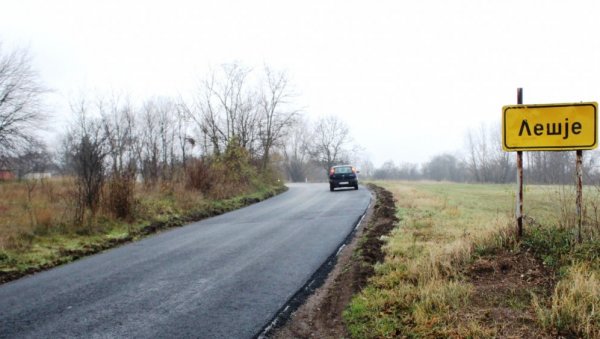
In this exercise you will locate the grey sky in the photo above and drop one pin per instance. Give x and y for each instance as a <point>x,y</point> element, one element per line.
<point>409,77</point>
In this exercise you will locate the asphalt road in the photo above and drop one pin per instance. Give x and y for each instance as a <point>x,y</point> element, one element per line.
<point>223,277</point>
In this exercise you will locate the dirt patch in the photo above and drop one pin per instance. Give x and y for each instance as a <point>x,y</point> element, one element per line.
<point>503,284</point>
<point>321,315</point>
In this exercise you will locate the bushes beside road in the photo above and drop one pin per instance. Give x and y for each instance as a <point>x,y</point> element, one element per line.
<point>39,227</point>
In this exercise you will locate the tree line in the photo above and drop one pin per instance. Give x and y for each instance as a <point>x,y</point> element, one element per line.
<point>162,139</point>
<point>158,138</point>
<point>483,161</point>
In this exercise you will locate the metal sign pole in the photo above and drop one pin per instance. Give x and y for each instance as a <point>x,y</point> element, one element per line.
<point>519,209</point>
<point>579,198</point>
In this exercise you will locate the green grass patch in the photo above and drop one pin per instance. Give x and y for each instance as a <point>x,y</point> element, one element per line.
<point>420,289</point>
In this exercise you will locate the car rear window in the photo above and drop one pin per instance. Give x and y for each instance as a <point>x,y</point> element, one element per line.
<point>342,170</point>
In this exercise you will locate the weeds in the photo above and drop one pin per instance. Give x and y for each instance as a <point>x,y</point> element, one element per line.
<point>25,250</point>
<point>551,244</point>
<point>575,304</point>
<point>420,290</point>
<point>120,200</point>
<point>38,218</point>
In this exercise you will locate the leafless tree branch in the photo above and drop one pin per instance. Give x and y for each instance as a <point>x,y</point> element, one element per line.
<point>20,102</point>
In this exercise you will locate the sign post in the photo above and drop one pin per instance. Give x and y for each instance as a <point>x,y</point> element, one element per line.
<point>579,197</point>
<point>549,127</point>
<point>519,210</point>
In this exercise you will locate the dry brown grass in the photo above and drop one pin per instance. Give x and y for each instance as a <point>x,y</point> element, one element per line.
<point>421,290</point>
<point>28,209</point>
<point>39,230</point>
<point>42,208</point>
<point>575,306</point>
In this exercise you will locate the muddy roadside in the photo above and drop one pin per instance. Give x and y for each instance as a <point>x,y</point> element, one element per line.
<point>321,315</point>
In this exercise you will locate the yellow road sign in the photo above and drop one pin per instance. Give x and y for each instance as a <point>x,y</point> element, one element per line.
<point>551,127</point>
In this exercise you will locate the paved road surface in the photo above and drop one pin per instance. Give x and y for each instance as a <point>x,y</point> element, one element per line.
<point>223,277</point>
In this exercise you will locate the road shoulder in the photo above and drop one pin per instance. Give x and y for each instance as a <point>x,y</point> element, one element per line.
<point>321,315</point>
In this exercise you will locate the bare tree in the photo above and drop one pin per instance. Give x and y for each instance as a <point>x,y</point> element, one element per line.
<point>118,122</point>
<point>296,152</point>
<point>550,167</point>
<point>330,140</point>
<point>87,153</point>
<point>486,161</point>
<point>119,128</point>
<point>226,108</point>
<point>206,116</point>
<point>166,116</point>
<point>183,115</point>
<point>34,159</point>
<point>89,165</point>
<point>158,129</point>
<point>477,156</point>
<point>275,118</point>
<point>233,104</point>
<point>387,171</point>
<point>20,102</point>
<point>444,167</point>
<point>247,125</point>
<point>230,92</point>
<point>149,146</point>
<point>366,167</point>
<point>390,171</point>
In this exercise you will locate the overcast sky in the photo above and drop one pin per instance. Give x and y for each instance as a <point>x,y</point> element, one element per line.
<point>409,77</point>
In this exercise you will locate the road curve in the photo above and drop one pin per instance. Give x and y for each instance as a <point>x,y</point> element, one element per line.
<point>223,277</point>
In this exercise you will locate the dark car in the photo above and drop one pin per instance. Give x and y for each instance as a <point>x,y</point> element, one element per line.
<point>343,176</point>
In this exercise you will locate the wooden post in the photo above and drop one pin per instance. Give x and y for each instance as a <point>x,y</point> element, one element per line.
<point>579,198</point>
<point>519,207</point>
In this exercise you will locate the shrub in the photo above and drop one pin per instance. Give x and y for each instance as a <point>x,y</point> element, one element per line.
<point>227,175</point>
<point>200,175</point>
<point>551,244</point>
<point>120,198</point>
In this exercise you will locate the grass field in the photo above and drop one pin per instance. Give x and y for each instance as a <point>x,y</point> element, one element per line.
<point>38,231</point>
<point>453,267</point>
